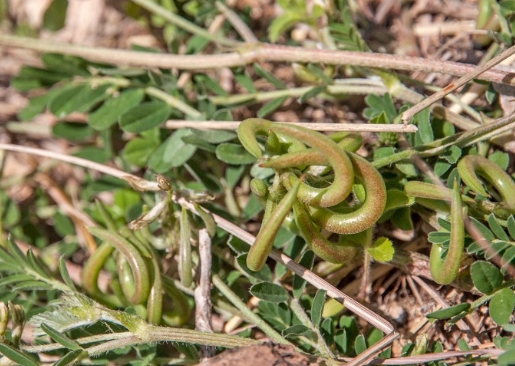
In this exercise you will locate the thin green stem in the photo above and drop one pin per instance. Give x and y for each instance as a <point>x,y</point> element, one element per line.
<point>183,23</point>
<point>241,306</point>
<point>461,140</point>
<point>321,345</point>
<point>173,102</point>
<point>151,91</point>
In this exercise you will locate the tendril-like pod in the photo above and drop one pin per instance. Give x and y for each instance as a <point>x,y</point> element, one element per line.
<point>339,252</point>
<point>135,260</point>
<point>344,223</point>
<point>265,239</point>
<point>472,166</point>
<point>445,270</point>
<point>340,163</point>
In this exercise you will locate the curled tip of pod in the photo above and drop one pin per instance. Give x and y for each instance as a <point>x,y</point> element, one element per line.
<point>445,270</point>
<point>470,166</point>
<point>339,161</point>
<point>135,260</point>
<point>347,141</point>
<point>339,252</point>
<point>366,215</point>
<point>262,246</point>
<point>247,131</point>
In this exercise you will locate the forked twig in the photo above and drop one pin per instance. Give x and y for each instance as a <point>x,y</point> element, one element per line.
<point>407,115</point>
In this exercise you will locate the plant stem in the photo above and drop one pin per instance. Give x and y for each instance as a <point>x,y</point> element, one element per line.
<point>248,54</point>
<point>407,115</point>
<point>329,127</point>
<point>481,133</point>
<point>321,345</point>
<point>241,306</point>
<point>173,102</point>
<point>298,92</point>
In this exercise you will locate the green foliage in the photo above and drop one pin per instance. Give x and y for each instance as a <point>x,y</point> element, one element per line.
<point>382,250</point>
<point>449,312</point>
<point>125,126</point>
<point>486,277</point>
<point>269,292</point>
<point>345,32</point>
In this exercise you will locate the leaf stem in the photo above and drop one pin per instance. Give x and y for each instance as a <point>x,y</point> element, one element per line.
<point>173,102</point>
<point>241,306</point>
<point>298,92</point>
<point>321,344</point>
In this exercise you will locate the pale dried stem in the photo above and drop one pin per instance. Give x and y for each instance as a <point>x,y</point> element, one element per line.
<point>327,127</point>
<point>133,180</point>
<point>431,292</point>
<point>422,359</point>
<point>444,28</point>
<point>203,305</point>
<point>248,54</point>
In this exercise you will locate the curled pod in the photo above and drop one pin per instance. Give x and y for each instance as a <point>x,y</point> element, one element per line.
<point>137,265</point>
<point>339,252</point>
<point>248,131</point>
<point>438,198</point>
<point>341,223</point>
<point>472,166</point>
<point>367,214</point>
<point>445,270</point>
<point>91,271</point>
<point>272,222</point>
<point>348,141</point>
<point>339,161</point>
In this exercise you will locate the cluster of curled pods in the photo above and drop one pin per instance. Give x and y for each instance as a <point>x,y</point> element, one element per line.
<point>314,176</point>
